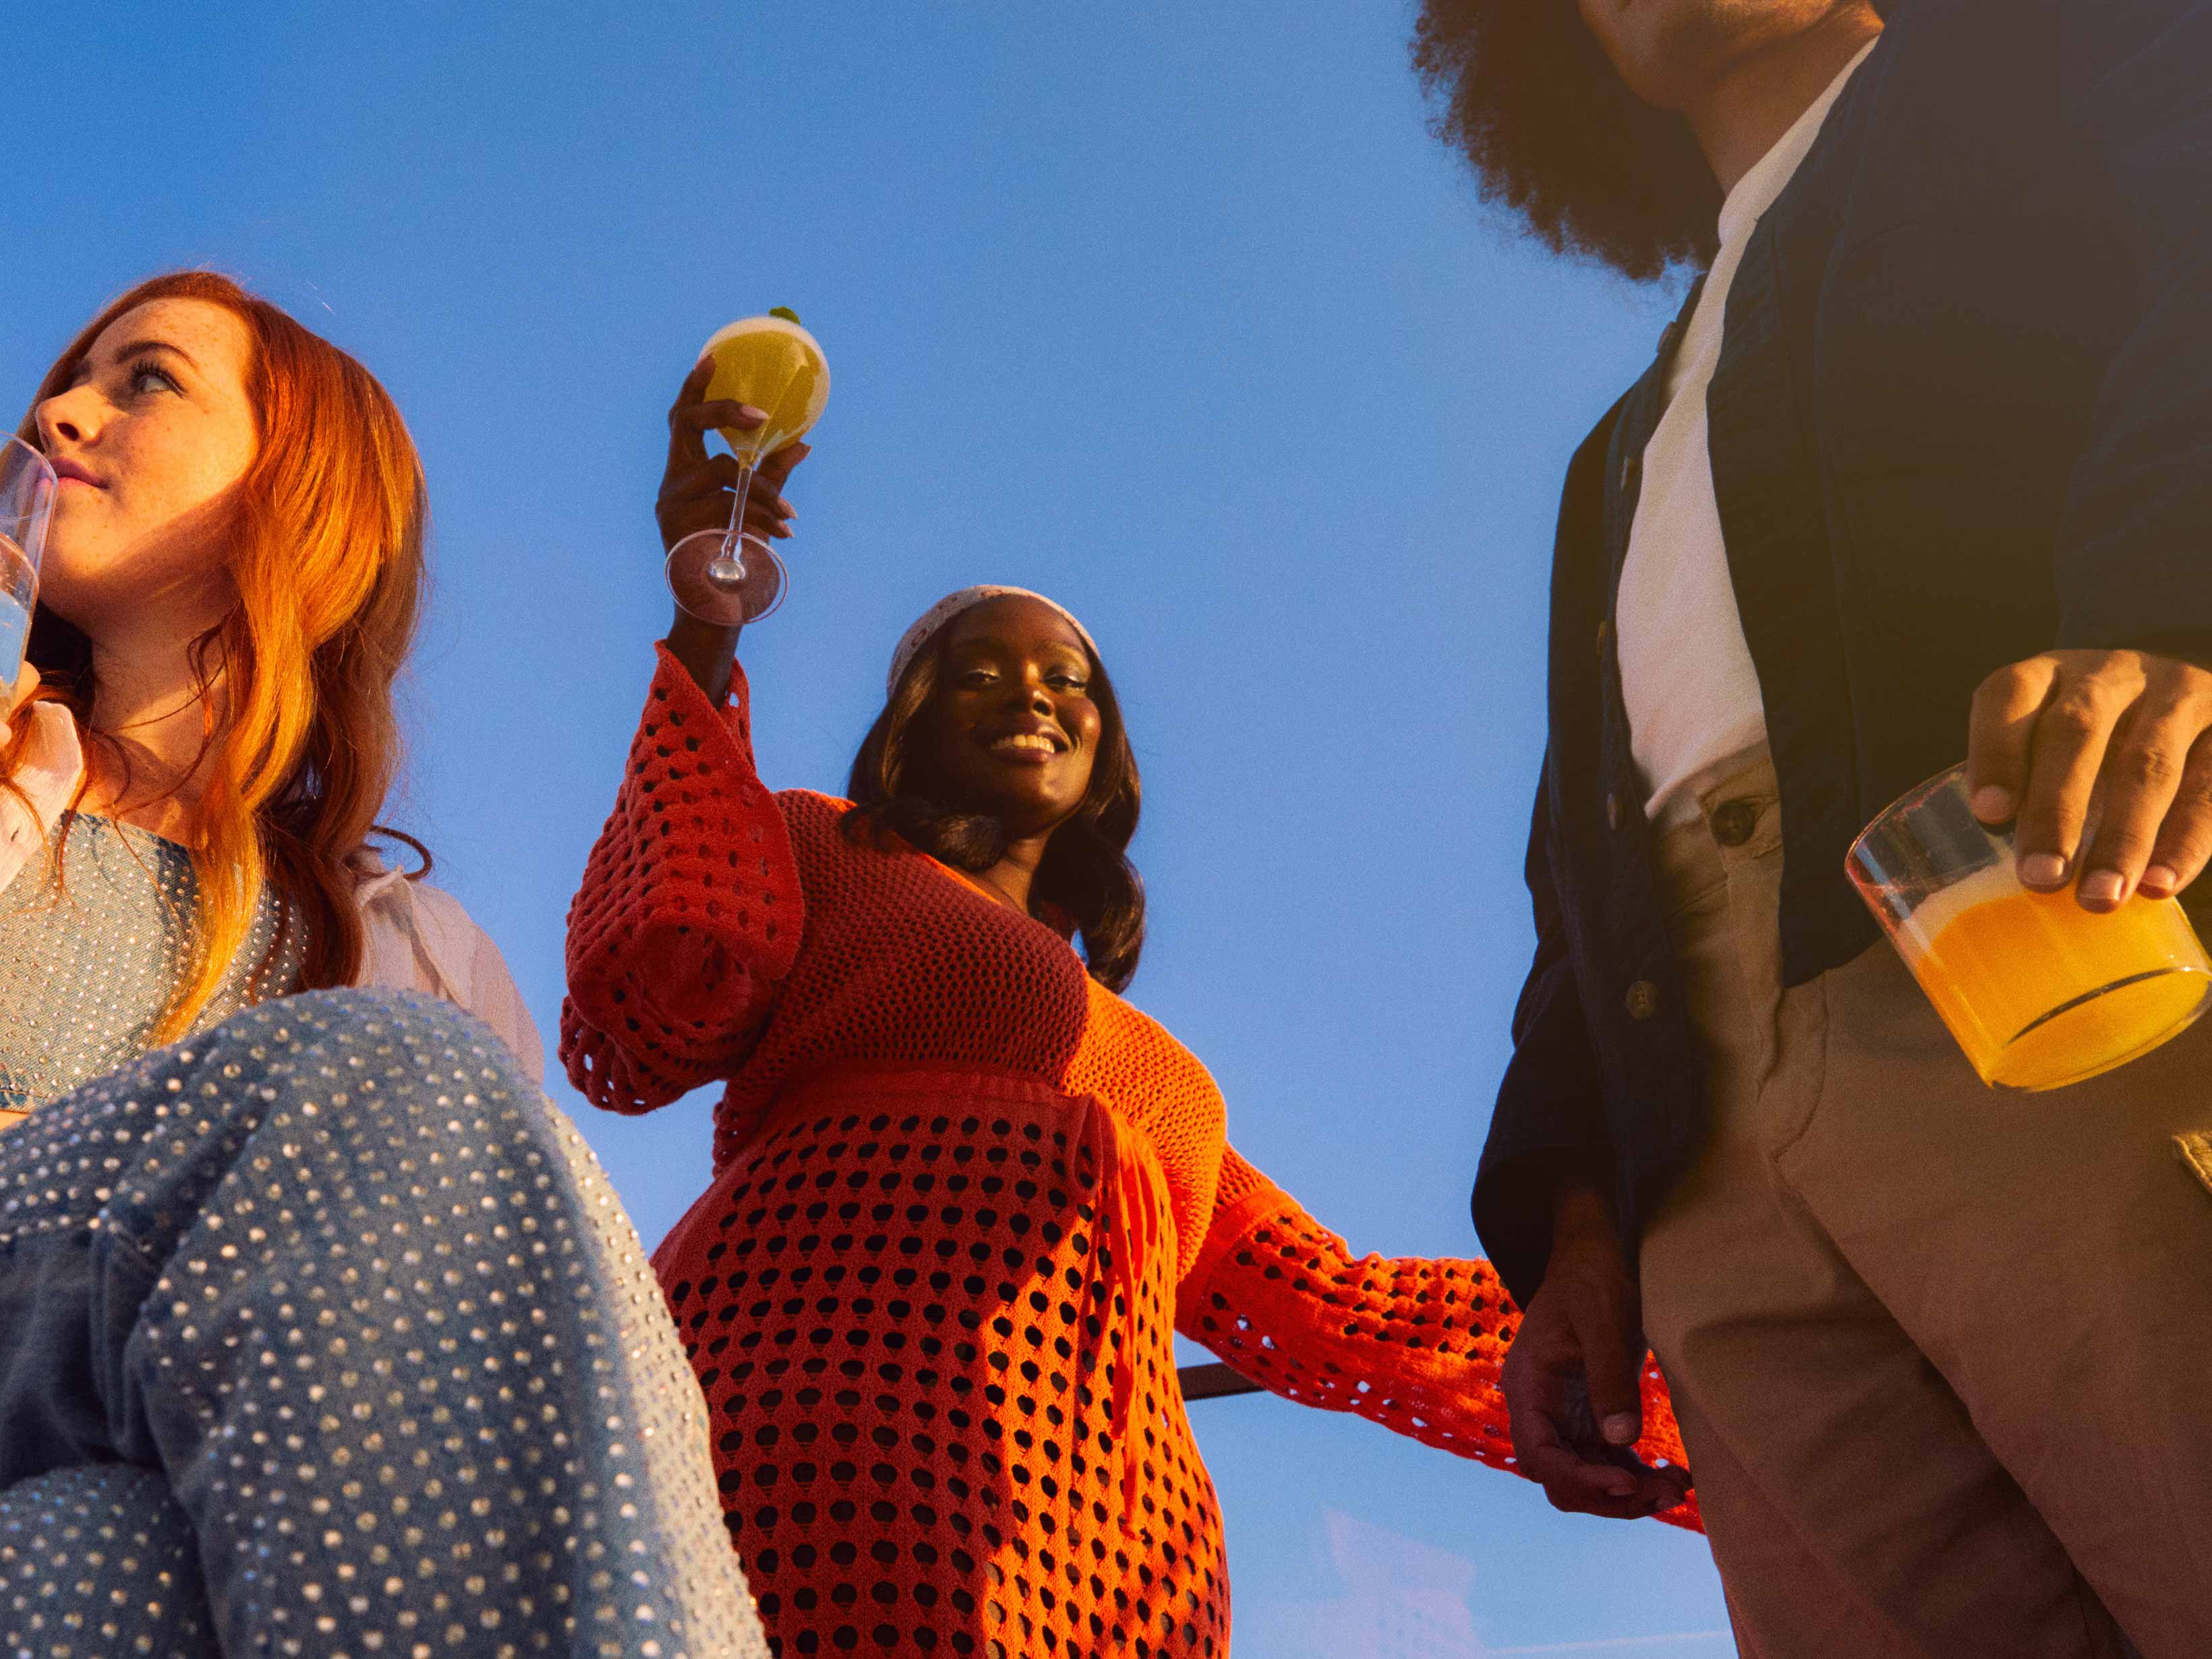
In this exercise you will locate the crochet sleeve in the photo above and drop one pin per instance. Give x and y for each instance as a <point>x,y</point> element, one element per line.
<point>1413,1345</point>
<point>690,913</point>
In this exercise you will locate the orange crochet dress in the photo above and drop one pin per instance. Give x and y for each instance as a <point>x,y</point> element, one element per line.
<point>962,1196</point>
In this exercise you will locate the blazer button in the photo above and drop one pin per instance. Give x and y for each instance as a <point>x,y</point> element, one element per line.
<point>1734,821</point>
<point>1643,999</point>
<point>1613,810</point>
<point>1604,639</point>
<point>1631,469</point>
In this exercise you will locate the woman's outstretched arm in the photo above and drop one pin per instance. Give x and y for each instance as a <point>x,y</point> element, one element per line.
<point>1414,1344</point>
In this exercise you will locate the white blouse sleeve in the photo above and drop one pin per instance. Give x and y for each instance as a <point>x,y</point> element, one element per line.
<point>419,938</point>
<point>43,784</point>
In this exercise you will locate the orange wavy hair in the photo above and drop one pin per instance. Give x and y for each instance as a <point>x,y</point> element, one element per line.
<point>326,557</point>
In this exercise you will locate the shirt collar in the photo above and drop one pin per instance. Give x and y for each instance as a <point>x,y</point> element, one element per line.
<point>1757,190</point>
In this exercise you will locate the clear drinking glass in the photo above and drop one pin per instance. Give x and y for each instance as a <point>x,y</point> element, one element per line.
<point>725,576</point>
<point>2039,992</point>
<point>27,504</point>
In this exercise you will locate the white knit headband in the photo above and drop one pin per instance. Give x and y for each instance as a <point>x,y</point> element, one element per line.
<point>925,627</point>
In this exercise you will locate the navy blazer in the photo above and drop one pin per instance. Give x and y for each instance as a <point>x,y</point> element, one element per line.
<point>1963,414</point>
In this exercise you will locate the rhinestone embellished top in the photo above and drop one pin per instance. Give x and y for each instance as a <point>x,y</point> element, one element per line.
<point>88,961</point>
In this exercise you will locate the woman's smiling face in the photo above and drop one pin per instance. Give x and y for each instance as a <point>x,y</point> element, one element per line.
<point>1011,729</point>
<point>149,440</point>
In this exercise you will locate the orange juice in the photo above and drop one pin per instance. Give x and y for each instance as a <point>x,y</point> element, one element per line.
<point>2039,992</point>
<point>775,365</point>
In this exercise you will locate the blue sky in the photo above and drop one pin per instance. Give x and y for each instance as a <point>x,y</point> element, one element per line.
<point>1176,312</point>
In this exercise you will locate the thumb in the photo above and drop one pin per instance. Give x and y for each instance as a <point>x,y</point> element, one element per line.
<point>1616,1392</point>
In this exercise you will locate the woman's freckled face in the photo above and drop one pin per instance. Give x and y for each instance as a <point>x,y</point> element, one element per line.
<point>1013,730</point>
<point>149,442</point>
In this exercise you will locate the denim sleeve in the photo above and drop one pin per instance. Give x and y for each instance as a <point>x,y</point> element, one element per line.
<point>2134,559</point>
<point>1550,1117</point>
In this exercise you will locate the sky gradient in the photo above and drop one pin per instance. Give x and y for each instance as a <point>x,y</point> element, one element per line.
<point>1176,314</point>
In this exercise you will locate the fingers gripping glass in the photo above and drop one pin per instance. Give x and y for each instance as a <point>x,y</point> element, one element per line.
<point>26,501</point>
<point>727,576</point>
<point>2039,992</point>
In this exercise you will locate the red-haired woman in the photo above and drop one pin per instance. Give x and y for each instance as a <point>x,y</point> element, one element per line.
<point>962,1192</point>
<point>319,1331</point>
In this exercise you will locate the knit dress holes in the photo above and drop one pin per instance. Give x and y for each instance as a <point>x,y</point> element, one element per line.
<point>962,1196</point>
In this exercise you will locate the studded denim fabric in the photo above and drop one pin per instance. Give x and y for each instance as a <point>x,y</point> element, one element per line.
<point>363,1299</point>
<point>97,1562</point>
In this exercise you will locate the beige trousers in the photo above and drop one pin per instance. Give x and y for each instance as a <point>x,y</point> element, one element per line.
<point>1942,1356</point>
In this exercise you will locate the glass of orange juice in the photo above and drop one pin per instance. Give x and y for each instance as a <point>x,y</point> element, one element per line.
<point>725,576</point>
<point>2039,992</point>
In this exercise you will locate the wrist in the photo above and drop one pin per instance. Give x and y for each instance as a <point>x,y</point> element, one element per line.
<point>1581,1217</point>
<point>706,650</point>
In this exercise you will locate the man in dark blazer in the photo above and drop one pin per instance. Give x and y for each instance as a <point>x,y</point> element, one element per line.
<point>1924,472</point>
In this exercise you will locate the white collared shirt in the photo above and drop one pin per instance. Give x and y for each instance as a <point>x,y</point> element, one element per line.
<point>1692,696</point>
<point>417,937</point>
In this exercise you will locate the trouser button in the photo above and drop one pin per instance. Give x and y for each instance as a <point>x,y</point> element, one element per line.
<point>1734,821</point>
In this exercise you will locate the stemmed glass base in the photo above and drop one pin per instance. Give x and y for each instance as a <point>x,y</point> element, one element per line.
<point>724,580</point>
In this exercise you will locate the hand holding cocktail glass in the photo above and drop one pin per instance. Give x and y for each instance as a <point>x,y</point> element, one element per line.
<point>761,383</point>
<point>2031,890</point>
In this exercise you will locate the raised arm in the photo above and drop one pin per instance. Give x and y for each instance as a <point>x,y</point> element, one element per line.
<point>690,910</point>
<point>1417,1346</point>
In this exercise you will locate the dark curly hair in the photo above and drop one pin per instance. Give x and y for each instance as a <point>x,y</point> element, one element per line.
<point>1086,875</point>
<point>1554,133</point>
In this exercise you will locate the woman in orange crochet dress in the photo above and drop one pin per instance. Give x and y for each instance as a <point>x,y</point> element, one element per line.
<point>963,1191</point>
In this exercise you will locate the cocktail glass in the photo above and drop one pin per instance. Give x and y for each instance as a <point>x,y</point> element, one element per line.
<point>727,577</point>
<point>26,505</point>
<point>2039,992</point>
